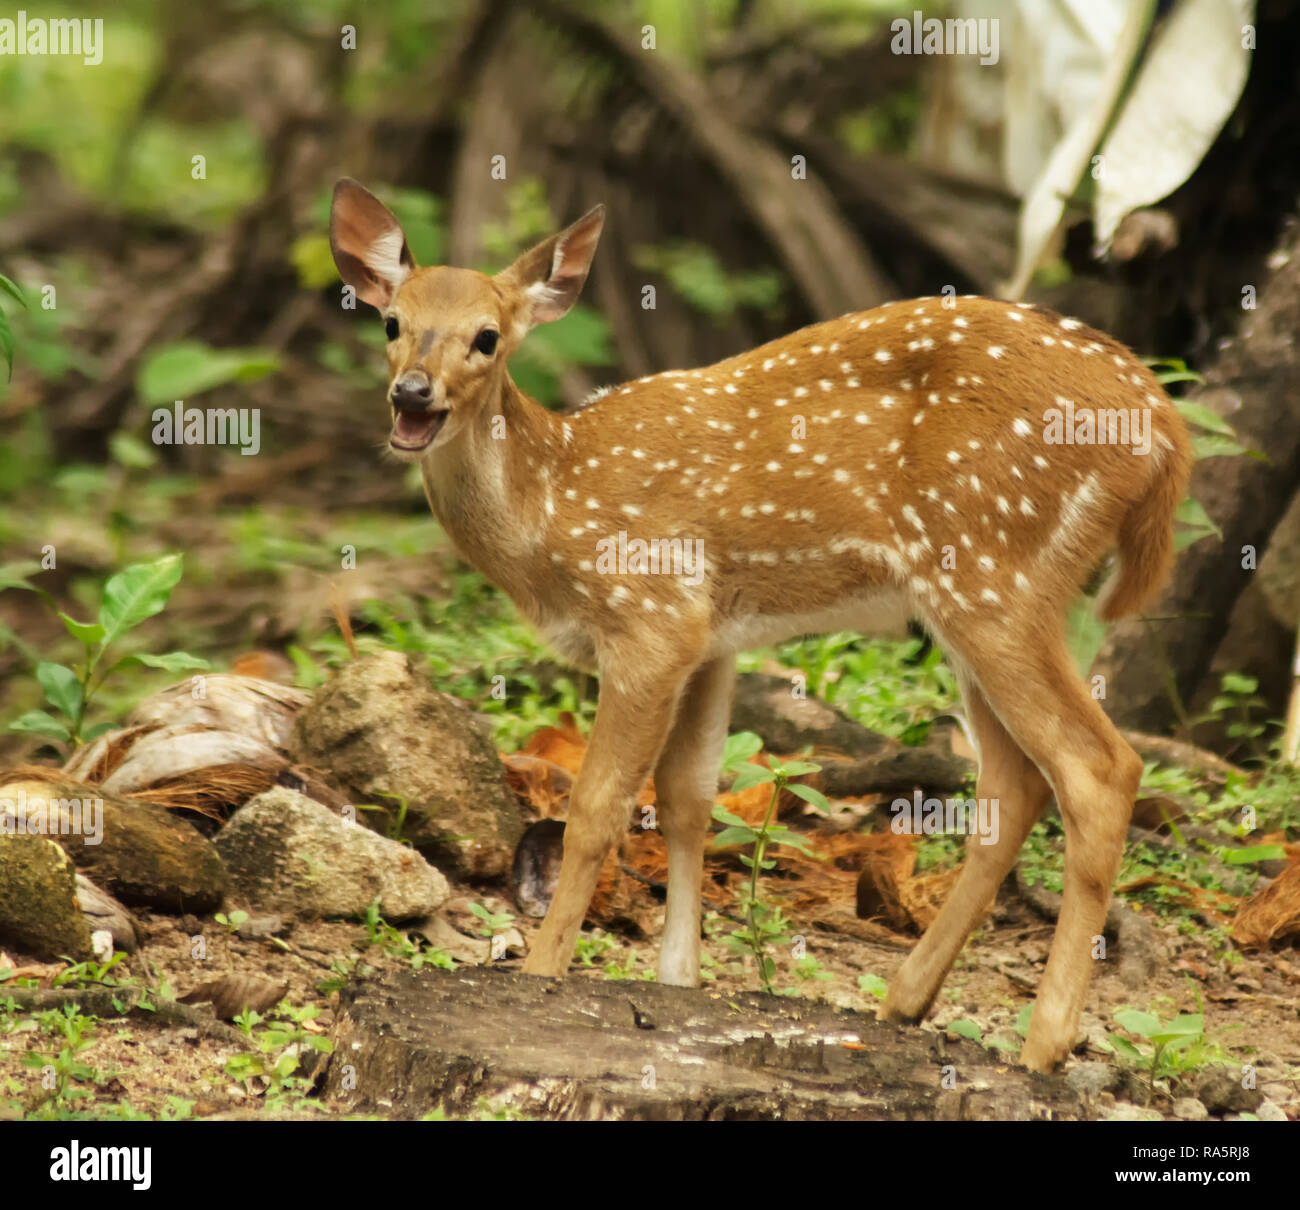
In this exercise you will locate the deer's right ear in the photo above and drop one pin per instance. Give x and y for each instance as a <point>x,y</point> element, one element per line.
<point>368,244</point>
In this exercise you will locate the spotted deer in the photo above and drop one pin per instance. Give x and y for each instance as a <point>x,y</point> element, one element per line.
<point>926,459</point>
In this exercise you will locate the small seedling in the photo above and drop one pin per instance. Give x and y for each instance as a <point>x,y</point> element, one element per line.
<point>765,924</point>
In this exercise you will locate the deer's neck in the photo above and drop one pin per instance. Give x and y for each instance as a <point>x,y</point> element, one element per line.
<point>490,487</point>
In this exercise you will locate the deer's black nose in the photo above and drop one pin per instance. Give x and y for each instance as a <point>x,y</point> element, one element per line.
<point>411,391</point>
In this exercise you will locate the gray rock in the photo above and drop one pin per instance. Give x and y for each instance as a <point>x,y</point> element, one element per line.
<point>1189,1109</point>
<point>1134,1113</point>
<point>1268,1112</point>
<point>1219,1090</point>
<point>287,853</point>
<point>387,735</point>
<point>38,899</point>
<point>1092,1079</point>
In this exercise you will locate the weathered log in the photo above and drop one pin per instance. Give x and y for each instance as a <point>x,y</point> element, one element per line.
<point>406,1043</point>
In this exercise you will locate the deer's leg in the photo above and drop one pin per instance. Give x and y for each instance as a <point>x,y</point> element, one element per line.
<point>1039,697</point>
<point>686,782</point>
<point>1008,777</point>
<point>638,699</point>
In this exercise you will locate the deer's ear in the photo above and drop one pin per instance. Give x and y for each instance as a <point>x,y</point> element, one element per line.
<point>551,275</point>
<point>368,244</point>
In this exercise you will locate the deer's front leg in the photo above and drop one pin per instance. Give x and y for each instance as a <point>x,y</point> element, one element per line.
<point>633,720</point>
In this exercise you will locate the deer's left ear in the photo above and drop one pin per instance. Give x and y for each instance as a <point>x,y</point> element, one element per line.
<point>551,275</point>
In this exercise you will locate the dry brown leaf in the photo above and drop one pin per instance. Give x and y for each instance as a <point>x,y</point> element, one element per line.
<point>232,993</point>
<point>1271,915</point>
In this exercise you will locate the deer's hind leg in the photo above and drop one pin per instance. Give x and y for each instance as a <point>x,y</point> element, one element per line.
<point>1012,781</point>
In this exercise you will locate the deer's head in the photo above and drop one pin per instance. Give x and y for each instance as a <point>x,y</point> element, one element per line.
<point>450,331</point>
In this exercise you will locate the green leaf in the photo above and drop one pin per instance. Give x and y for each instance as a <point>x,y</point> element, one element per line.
<point>7,344</point>
<point>1201,416</point>
<point>1215,445</point>
<point>38,722</point>
<point>1022,1020</point>
<point>728,836</point>
<point>137,593</point>
<point>62,687</point>
<point>129,451</point>
<point>1259,852</point>
<point>13,290</point>
<point>722,815</point>
<point>14,575</point>
<point>792,840</point>
<point>739,748</point>
<point>751,775</point>
<point>6,332</point>
<point>1084,633</point>
<point>190,367</point>
<point>797,768</point>
<point>1142,1024</point>
<point>88,633</point>
<point>873,985</point>
<point>964,1029</point>
<point>1180,1031</point>
<point>1191,512</point>
<point>808,794</point>
<point>1122,1046</point>
<point>311,256</point>
<point>173,661</point>
<point>1238,683</point>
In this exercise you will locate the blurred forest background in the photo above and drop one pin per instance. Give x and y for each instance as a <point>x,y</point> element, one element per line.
<point>766,164</point>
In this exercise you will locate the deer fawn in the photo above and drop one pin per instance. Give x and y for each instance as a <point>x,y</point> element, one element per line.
<point>963,461</point>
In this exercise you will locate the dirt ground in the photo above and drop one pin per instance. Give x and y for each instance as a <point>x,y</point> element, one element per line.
<point>1251,1006</point>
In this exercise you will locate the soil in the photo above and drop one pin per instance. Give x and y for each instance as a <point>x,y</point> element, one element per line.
<point>1250,1005</point>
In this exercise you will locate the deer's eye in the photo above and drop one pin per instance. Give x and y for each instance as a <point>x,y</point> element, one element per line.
<point>486,341</point>
<point>390,328</point>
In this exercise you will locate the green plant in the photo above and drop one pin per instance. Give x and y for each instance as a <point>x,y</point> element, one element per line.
<point>589,948</point>
<point>130,596</point>
<point>1168,1050</point>
<point>873,985</point>
<point>696,274</point>
<point>890,687</point>
<point>493,923</point>
<point>279,1047</point>
<point>807,970</point>
<point>397,944</point>
<point>84,974</point>
<point>396,822</point>
<point>231,922</point>
<point>1238,701</point>
<point>6,332</point>
<point>765,924</point>
<point>190,367</point>
<point>62,1072</point>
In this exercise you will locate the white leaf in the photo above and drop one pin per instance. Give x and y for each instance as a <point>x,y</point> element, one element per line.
<point>1186,89</point>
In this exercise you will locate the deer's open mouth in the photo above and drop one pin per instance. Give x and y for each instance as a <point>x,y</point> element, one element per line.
<point>415,431</point>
